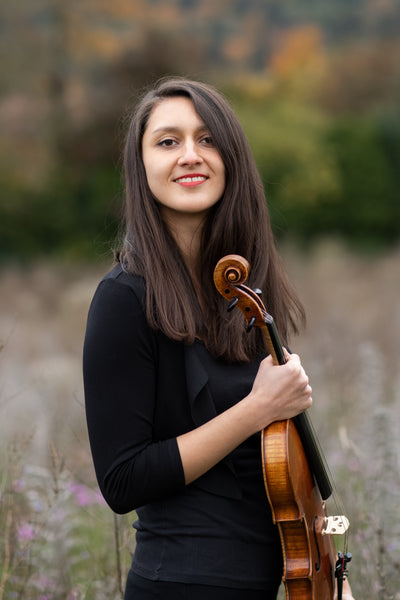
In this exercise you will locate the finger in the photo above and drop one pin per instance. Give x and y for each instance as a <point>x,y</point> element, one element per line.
<point>292,357</point>
<point>308,389</point>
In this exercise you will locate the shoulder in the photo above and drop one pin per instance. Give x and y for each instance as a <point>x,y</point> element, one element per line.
<point>117,318</point>
<point>118,282</point>
<point>119,294</point>
<point>120,277</point>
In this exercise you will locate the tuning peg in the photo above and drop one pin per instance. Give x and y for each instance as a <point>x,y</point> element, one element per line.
<point>258,291</point>
<point>341,565</point>
<point>251,323</point>
<point>344,558</point>
<point>233,303</point>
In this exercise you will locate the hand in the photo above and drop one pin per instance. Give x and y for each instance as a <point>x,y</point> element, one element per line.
<point>280,392</point>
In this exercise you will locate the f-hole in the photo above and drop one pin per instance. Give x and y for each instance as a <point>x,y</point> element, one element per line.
<point>318,563</point>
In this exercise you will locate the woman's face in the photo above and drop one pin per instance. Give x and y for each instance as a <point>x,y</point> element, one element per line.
<point>184,170</point>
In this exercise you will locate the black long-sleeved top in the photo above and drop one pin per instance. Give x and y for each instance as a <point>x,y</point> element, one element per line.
<point>142,390</point>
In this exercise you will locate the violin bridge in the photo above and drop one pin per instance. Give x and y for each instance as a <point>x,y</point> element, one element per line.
<point>336,525</point>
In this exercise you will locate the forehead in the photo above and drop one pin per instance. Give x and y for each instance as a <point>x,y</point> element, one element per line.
<point>173,112</point>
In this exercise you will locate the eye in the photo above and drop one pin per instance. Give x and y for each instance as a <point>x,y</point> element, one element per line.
<point>167,143</point>
<point>207,140</point>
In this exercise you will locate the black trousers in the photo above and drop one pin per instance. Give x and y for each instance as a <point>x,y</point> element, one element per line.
<point>138,588</point>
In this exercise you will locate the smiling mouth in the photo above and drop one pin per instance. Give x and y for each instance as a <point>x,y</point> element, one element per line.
<point>193,180</point>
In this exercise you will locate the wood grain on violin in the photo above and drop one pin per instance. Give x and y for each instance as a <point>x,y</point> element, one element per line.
<point>295,476</point>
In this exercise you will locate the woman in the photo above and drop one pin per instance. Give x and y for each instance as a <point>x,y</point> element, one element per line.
<point>176,390</point>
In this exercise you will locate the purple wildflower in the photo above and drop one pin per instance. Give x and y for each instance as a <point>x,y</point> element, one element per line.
<point>25,532</point>
<point>84,496</point>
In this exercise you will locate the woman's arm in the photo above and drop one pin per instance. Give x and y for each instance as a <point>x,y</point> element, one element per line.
<point>279,392</point>
<point>119,368</point>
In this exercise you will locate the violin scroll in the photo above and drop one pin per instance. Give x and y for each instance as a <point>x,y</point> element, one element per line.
<point>232,269</point>
<point>230,274</point>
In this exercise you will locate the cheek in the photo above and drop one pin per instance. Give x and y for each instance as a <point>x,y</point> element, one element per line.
<point>152,175</point>
<point>155,187</point>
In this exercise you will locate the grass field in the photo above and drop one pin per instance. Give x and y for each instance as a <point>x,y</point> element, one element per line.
<point>58,539</point>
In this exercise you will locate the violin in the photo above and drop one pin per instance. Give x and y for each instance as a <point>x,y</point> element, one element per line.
<point>296,477</point>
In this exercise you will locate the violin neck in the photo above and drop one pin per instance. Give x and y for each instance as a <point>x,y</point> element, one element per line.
<point>314,454</point>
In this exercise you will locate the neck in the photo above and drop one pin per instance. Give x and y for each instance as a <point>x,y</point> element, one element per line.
<point>187,234</point>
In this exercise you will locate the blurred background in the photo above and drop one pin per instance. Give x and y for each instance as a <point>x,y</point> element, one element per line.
<point>316,86</point>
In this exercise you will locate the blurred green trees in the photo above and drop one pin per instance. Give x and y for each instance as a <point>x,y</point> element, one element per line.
<point>335,176</point>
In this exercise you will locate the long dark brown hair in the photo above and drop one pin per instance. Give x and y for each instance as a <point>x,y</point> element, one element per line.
<point>238,224</point>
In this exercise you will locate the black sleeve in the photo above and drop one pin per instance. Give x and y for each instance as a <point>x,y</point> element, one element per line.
<point>119,369</point>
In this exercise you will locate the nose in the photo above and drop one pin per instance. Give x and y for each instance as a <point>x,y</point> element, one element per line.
<point>190,154</point>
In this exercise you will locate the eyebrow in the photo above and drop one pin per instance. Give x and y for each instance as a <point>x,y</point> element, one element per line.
<point>174,129</point>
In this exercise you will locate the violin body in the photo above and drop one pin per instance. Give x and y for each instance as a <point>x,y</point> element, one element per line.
<point>299,513</point>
